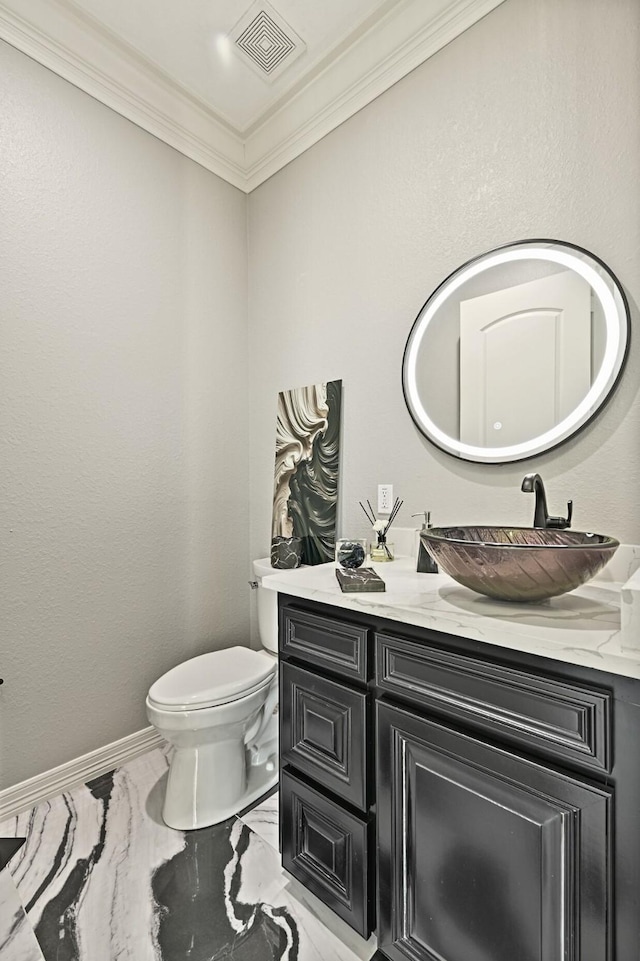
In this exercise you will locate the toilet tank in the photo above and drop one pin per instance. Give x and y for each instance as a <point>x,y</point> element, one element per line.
<point>267,606</point>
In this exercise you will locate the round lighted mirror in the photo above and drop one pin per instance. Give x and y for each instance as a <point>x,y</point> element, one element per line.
<point>516,351</point>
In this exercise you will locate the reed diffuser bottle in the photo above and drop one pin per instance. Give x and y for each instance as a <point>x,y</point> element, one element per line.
<point>381,551</point>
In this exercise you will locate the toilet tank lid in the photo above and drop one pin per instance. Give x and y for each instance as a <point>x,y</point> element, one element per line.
<point>212,678</point>
<point>262,567</point>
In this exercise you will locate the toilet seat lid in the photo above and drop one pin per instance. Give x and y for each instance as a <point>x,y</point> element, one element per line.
<point>214,678</point>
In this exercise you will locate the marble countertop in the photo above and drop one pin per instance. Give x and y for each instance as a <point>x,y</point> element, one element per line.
<point>597,625</point>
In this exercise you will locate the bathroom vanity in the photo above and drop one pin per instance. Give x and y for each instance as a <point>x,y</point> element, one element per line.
<point>459,774</point>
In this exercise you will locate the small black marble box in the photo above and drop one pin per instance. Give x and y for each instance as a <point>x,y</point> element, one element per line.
<point>359,579</point>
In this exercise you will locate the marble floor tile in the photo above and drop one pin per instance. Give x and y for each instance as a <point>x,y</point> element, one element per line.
<point>85,872</point>
<point>321,935</point>
<point>102,878</point>
<point>17,940</point>
<point>263,819</point>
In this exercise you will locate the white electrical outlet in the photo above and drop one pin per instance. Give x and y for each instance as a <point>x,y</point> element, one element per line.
<point>385,498</point>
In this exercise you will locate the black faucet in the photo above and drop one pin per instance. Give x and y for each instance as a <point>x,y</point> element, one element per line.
<point>533,484</point>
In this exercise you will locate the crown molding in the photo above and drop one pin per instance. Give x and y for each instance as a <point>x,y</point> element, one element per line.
<point>93,60</point>
<point>398,43</point>
<point>76,48</point>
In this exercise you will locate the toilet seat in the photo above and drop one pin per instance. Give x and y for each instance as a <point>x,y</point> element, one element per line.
<point>208,680</point>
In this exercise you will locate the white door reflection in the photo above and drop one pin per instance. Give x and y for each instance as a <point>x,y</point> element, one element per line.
<point>526,358</point>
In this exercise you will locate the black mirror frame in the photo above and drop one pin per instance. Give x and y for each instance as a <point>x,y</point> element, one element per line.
<point>451,446</point>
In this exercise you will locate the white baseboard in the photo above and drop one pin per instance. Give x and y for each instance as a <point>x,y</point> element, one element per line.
<point>27,794</point>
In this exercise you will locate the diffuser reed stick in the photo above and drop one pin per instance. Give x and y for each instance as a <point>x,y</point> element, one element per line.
<point>371,517</point>
<point>394,513</point>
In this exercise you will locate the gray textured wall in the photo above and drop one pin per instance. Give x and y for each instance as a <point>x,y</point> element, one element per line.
<point>125,427</point>
<point>527,125</point>
<point>123,418</point>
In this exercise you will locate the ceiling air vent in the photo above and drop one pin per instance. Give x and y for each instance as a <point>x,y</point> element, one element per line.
<point>265,41</point>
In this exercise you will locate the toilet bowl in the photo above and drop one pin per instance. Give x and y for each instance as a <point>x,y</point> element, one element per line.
<point>218,712</point>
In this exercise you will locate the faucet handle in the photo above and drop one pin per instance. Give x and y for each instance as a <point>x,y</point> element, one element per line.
<point>562,523</point>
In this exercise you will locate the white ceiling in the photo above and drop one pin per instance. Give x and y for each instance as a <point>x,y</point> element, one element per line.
<point>187,40</point>
<point>172,67</point>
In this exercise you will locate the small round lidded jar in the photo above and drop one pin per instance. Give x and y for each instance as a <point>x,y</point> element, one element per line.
<point>351,552</point>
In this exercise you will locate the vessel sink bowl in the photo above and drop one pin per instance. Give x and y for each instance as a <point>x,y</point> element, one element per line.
<point>518,563</point>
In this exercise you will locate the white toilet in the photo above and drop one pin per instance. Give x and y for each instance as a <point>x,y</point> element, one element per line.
<point>219,712</point>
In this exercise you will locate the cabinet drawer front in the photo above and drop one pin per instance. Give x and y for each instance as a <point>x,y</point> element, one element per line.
<point>483,854</point>
<point>562,720</point>
<point>327,850</point>
<point>336,645</point>
<point>324,732</point>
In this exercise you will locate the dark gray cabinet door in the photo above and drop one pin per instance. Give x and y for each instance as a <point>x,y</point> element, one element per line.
<point>327,850</point>
<point>331,643</point>
<point>567,721</point>
<point>323,732</point>
<point>484,855</point>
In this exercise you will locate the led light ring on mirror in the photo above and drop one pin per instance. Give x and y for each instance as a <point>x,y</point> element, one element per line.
<point>610,369</point>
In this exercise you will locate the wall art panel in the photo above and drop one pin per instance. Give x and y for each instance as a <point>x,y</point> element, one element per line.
<point>305,494</point>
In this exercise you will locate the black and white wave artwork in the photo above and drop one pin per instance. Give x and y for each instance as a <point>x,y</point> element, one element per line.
<point>305,497</point>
